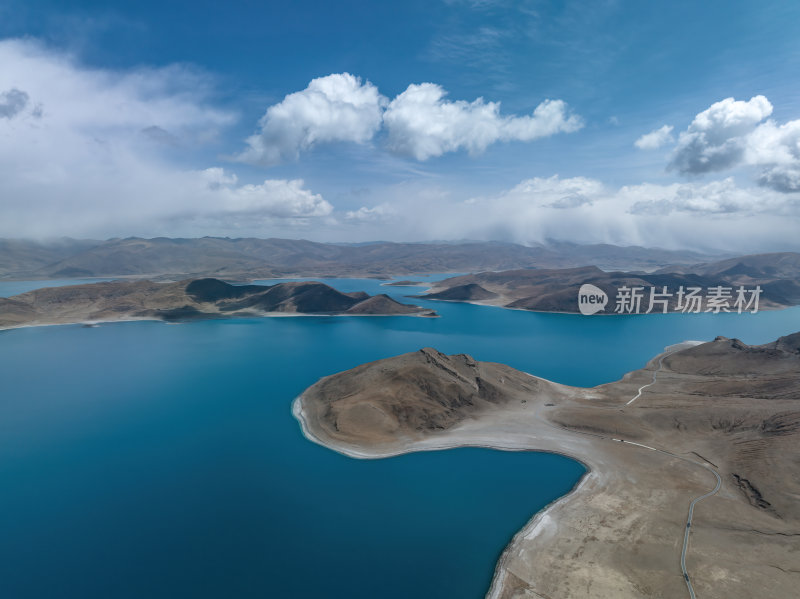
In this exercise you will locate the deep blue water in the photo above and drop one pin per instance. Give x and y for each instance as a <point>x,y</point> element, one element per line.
<point>149,460</point>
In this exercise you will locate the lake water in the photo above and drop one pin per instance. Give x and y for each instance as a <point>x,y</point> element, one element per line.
<point>9,288</point>
<point>162,461</point>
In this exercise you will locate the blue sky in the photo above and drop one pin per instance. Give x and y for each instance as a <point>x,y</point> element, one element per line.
<point>353,121</point>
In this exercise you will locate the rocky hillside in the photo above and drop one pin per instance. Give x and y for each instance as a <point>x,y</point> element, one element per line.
<point>714,425</point>
<point>556,290</point>
<point>188,300</point>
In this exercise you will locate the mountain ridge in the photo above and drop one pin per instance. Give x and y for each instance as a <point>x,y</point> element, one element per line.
<point>556,290</point>
<point>255,258</point>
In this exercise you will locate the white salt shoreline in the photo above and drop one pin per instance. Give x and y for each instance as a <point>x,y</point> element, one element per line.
<point>520,428</point>
<point>457,438</point>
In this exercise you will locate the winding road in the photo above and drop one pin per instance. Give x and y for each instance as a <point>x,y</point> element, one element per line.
<point>655,374</point>
<point>691,506</point>
<point>689,525</point>
<point>694,501</point>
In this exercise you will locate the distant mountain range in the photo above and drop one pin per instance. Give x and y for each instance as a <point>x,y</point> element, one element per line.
<point>556,290</point>
<point>252,258</point>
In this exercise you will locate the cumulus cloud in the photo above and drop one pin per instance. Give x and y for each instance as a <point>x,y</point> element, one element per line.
<point>421,123</point>
<point>733,133</point>
<point>774,144</point>
<point>88,165</point>
<point>339,107</point>
<point>716,138</point>
<point>555,192</point>
<point>272,198</point>
<point>655,139</point>
<point>781,178</point>
<point>777,149</point>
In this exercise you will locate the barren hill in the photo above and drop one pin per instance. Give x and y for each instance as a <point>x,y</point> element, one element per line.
<point>556,290</point>
<point>187,300</point>
<point>655,442</point>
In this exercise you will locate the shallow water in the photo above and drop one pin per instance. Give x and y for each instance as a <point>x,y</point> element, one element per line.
<point>9,288</point>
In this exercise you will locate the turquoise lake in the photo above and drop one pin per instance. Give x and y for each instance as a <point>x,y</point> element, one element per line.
<point>145,460</point>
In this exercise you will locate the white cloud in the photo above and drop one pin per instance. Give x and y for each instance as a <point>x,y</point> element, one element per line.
<point>272,198</point>
<point>716,138</point>
<point>770,143</point>
<point>93,152</point>
<point>655,139</point>
<point>216,178</point>
<point>713,198</point>
<point>77,155</point>
<point>376,213</point>
<point>554,192</point>
<point>777,149</point>
<point>717,215</point>
<point>421,123</point>
<point>781,178</point>
<point>339,107</point>
<point>732,133</point>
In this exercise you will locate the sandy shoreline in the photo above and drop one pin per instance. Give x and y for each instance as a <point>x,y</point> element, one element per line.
<point>540,520</point>
<point>146,319</point>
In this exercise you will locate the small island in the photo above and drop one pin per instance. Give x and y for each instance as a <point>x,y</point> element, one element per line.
<point>196,299</point>
<point>692,471</point>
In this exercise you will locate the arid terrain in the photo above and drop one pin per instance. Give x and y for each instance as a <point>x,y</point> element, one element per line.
<point>188,300</point>
<point>655,443</point>
<point>252,258</point>
<point>556,290</point>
